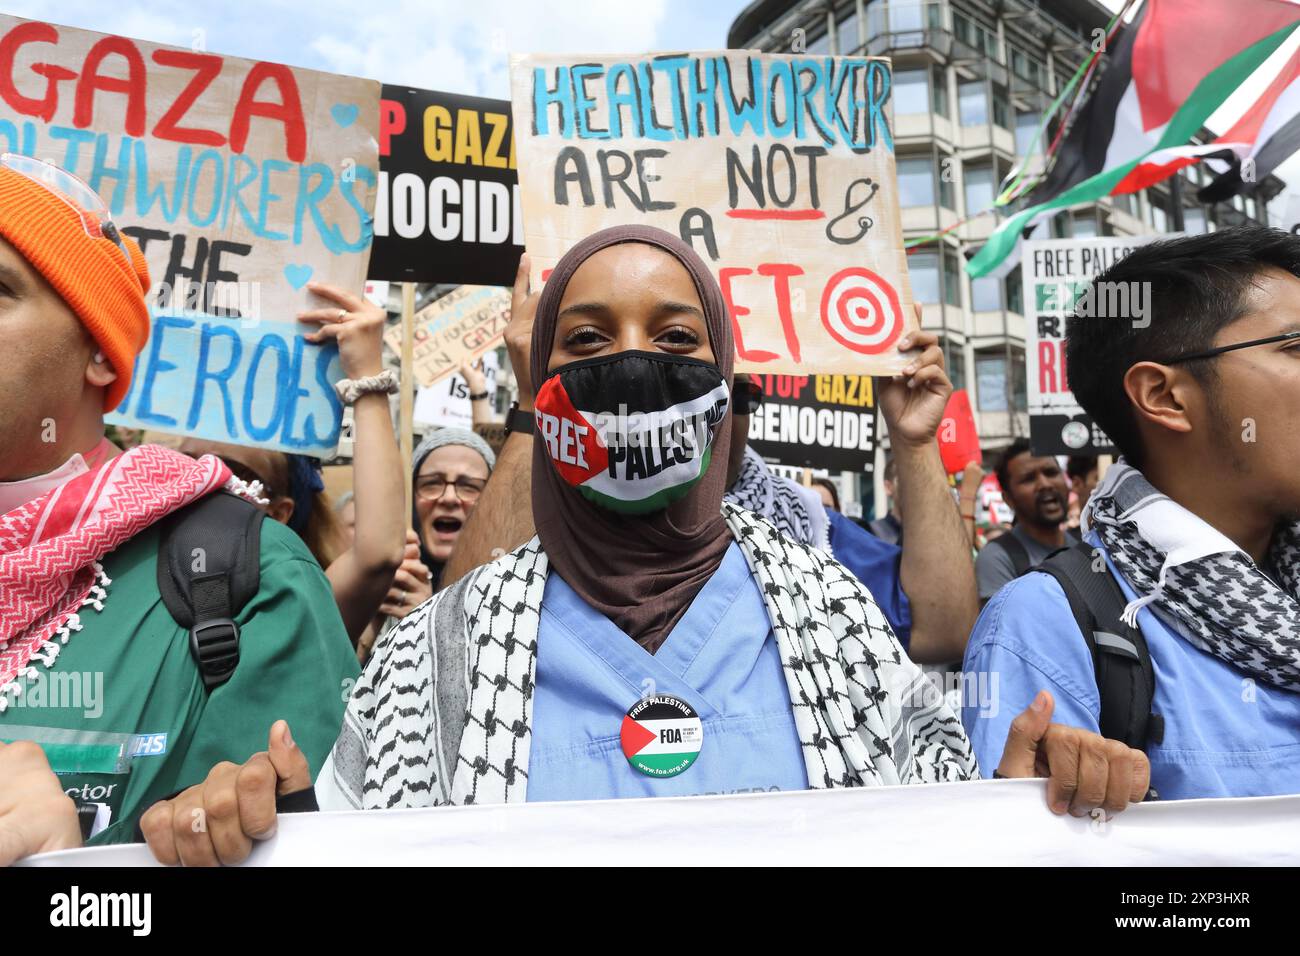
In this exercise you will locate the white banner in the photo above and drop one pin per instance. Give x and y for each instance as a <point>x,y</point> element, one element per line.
<point>990,823</point>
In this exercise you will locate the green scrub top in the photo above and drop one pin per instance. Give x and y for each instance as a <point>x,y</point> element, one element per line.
<point>123,715</point>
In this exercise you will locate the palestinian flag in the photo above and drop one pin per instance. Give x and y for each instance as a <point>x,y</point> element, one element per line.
<point>1266,134</point>
<point>661,736</point>
<point>639,457</point>
<point>1166,75</point>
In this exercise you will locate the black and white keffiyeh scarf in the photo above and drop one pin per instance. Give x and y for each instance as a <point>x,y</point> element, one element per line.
<point>1221,601</point>
<point>797,512</point>
<point>443,712</point>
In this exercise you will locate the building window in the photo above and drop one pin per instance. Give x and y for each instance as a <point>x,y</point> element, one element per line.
<point>915,181</point>
<point>1085,226</point>
<point>939,92</point>
<point>951,278</point>
<point>991,381</point>
<point>986,294</point>
<point>973,103</point>
<point>992,385</point>
<point>975,36</point>
<point>1001,108</point>
<point>875,18</point>
<point>1014,297</point>
<point>923,269</point>
<point>1125,202</point>
<point>1027,68</point>
<point>905,15</point>
<point>954,360</point>
<point>935,276</point>
<point>821,45</point>
<point>1159,213</point>
<point>911,92</point>
<point>846,31</point>
<point>979,189</point>
<point>1027,123</point>
<point>1194,220</point>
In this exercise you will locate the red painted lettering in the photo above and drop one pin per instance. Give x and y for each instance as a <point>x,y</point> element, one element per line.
<point>737,312</point>
<point>91,82</point>
<point>288,110</point>
<point>45,107</point>
<point>206,67</point>
<point>781,273</point>
<point>1047,372</point>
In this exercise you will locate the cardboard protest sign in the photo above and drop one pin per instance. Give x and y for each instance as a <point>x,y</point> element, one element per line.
<point>455,329</point>
<point>1057,276</point>
<point>448,200</point>
<point>241,181</point>
<point>959,441</point>
<point>816,421</point>
<point>779,170</point>
<point>446,404</point>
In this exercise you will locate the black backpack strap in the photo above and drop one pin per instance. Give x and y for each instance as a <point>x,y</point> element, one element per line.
<point>1015,550</point>
<point>209,568</point>
<point>1126,680</point>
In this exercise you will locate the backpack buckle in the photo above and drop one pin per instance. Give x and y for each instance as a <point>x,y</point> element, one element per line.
<point>215,646</point>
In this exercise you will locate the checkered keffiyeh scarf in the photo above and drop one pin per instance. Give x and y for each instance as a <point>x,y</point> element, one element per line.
<point>442,714</point>
<point>50,548</point>
<point>1221,601</point>
<point>796,512</point>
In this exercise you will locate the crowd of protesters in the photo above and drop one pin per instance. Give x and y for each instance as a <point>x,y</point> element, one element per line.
<point>484,646</point>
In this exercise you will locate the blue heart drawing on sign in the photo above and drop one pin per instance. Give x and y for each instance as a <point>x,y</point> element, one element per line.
<point>345,114</point>
<point>297,275</point>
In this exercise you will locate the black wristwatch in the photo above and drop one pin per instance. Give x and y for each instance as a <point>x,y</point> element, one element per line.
<point>518,420</point>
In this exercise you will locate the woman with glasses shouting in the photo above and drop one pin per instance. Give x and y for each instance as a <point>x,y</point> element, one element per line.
<point>451,468</point>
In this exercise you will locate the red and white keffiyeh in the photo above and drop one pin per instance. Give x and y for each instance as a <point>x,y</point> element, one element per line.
<point>50,548</point>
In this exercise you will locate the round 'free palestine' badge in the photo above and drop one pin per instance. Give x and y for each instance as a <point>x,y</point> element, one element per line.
<point>661,735</point>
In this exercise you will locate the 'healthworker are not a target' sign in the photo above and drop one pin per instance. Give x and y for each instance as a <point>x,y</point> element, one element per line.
<point>778,170</point>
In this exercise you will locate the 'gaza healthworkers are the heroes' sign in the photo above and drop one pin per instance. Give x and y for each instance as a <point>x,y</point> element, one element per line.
<point>241,181</point>
<point>778,170</point>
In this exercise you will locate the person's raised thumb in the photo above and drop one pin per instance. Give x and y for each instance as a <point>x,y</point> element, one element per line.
<point>1027,730</point>
<point>290,763</point>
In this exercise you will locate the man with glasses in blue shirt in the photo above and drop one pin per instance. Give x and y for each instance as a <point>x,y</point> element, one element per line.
<point>1196,524</point>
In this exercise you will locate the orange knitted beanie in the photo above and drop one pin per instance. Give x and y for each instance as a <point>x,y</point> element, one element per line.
<point>103,285</point>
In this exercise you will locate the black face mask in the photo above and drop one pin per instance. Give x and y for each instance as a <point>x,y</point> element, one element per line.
<point>632,431</point>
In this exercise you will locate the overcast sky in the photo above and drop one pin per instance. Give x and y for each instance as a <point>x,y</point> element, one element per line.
<point>456,45</point>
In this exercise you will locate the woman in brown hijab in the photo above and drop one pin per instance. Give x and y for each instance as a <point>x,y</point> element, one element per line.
<point>650,640</point>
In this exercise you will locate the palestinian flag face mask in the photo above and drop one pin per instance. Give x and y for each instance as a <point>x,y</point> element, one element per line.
<point>631,431</point>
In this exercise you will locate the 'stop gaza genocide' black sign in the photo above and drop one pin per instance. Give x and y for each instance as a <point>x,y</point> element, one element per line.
<point>816,421</point>
<point>447,208</point>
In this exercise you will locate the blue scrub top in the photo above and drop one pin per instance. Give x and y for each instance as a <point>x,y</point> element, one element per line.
<point>721,658</point>
<point>1226,735</point>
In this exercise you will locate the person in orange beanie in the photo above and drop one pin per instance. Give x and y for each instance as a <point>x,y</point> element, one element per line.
<point>89,646</point>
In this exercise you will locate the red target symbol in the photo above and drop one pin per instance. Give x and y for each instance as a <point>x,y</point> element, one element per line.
<point>861,311</point>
